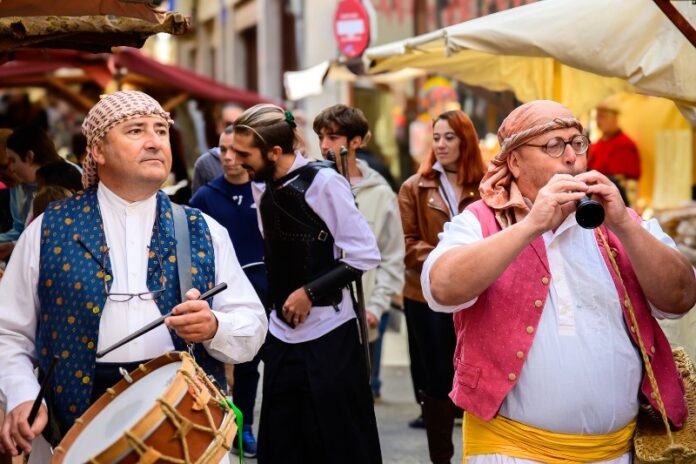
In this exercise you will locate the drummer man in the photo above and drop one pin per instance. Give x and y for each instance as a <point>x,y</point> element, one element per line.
<point>98,266</point>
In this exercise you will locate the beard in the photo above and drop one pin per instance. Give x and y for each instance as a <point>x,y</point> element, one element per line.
<point>264,173</point>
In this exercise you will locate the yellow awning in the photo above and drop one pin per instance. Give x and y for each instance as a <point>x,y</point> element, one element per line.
<point>576,53</point>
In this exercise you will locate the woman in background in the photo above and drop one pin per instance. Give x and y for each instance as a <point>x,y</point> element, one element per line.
<point>446,182</point>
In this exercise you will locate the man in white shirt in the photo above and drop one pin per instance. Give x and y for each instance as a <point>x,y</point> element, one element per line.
<point>341,126</point>
<point>102,264</point>
<point>546,365</point>
<point>317,405</point>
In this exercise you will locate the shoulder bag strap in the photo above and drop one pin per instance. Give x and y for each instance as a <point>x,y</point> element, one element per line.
<point>641,345</point>
<point>183,249</point>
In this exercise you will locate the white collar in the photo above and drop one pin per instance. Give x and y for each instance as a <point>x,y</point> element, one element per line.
<point>111,200</point>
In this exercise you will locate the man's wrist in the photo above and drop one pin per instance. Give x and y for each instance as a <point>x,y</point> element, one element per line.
<point>215,326</point>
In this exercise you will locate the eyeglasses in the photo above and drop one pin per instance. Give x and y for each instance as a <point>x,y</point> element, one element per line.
<point>556,146</point>
<point>123,297</point>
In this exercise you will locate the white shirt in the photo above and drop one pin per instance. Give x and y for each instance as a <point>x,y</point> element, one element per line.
<point>330,197</point>
<point>241,318</point>
<point>582,374</point>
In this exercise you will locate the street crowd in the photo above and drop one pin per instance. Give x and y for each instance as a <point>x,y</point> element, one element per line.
<point>520,320</point>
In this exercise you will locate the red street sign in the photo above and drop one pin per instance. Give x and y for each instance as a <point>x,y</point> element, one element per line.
<point>351,28</point>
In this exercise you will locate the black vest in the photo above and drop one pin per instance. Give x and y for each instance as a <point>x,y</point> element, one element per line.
<point>299,246</point>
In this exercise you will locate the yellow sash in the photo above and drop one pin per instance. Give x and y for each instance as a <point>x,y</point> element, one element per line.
<point>510,438</point>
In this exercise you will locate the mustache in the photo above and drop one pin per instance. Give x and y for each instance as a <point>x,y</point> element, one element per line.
<point>154,157</point>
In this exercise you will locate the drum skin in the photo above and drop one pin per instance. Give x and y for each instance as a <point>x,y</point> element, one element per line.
<point>181,418</point>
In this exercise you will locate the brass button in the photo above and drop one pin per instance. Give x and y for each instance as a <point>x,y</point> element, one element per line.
<point>520,355</point>
<point>530,329</point>
<point>633,329</point>
<point>653,395</point>
<point>545,280</point>
<point>511,377</point>
<point>626,302</point>
<point>538,303</point>
<point>471,194</point>
<point>652,349</point>
<point>613,252</point>
<point>431,200</point>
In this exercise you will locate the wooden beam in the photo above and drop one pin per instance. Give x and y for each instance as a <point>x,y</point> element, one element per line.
<point>75,98</point>
<point>40,81</point>
<point>175,101</point>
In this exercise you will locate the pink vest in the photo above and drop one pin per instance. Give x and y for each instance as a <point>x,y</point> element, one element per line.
<point>495,334</point>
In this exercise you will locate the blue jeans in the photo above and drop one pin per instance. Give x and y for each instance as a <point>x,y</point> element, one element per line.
<point>376,354</point>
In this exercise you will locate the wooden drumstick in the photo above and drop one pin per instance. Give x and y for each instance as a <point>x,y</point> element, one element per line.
<point>157,322</point>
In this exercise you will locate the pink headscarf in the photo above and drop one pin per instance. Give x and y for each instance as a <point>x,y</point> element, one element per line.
<point>498,188</point>
<point>108,112</point>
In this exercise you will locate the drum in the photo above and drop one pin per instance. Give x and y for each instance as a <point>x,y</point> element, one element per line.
<point>167,410</point>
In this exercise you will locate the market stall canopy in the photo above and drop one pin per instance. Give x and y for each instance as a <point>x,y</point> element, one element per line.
<point>576,53</point>
<point>93,26</point>
<point>59,69</point>
<point>155,76</point>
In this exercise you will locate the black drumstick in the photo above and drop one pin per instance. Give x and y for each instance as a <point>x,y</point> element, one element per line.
<point>157,322</point>
<point>42,391</point>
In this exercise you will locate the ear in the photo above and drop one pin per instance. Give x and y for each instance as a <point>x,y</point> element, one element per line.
<point>98,153</point>
<point>275,153</point>
<point>513,162</point>
<point>355,143</point>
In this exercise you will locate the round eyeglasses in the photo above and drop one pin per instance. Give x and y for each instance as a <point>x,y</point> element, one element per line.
<point>556,146</point>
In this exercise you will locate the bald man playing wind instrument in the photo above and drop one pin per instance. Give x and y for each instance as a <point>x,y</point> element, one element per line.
<point>545,366</point>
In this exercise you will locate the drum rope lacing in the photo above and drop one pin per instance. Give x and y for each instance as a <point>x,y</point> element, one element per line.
<point>197,382</point>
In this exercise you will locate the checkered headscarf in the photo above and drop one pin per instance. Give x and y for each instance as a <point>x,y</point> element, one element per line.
<point>109,111</point>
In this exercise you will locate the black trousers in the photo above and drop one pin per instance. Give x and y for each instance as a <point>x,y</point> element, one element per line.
<point>317,405</point>
<point>431,347</point>
<point>246,381</point>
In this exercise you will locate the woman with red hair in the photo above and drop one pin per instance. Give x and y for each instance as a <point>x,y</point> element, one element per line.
<point>445,184</point>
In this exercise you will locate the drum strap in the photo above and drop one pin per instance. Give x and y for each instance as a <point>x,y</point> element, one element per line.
<point>183,249</point>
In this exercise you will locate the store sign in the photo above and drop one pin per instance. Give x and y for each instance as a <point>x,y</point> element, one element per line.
<point>351,28</point>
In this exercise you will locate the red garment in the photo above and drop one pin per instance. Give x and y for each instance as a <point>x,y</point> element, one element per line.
<point>616,156</point>
<point>493,340</point>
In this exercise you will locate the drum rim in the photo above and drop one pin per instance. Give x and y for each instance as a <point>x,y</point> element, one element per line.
<point>150,421</point>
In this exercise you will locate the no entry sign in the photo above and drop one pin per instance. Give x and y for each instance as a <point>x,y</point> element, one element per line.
<point>351,28</point>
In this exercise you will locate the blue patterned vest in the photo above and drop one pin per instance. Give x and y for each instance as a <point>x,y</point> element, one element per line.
<point>72,273</point>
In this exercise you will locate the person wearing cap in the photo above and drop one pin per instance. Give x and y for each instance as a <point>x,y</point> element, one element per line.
<point>317,404</point>
<point>100,265</point>
<point>615,154</point>
<point>546,368</point>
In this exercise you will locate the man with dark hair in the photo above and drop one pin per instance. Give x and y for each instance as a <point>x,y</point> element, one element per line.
<point>229,200</point>
<point>28,148</point>
<point>207,167</point>
<point>341,126</point>
<point>317,405</point>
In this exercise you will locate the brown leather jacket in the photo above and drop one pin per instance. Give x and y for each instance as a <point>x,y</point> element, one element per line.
<point>423,216</point>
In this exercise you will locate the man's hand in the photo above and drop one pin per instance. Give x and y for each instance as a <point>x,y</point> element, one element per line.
<point>193,320</point>
<point>296,307</point>
<point>555,201</point>
<point>16,434</point>
<point>605,192</point>
<point>372,320</point>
